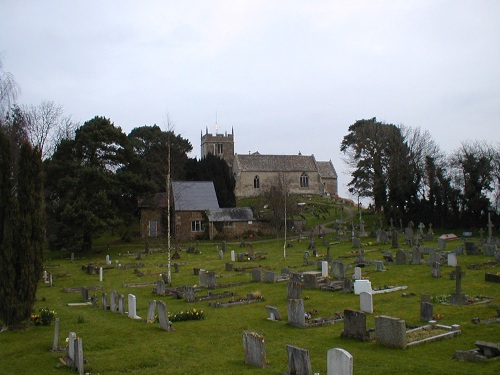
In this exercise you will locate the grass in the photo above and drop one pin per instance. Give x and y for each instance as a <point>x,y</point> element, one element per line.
<point>115,344</point>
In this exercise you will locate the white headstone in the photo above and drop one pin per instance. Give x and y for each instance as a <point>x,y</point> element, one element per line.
<point>132,307</point>
<point>71,345</point>
<point>101,273</point>
<point>108,261</point>
<point>339,362</point>
<point>452,260</point>
<point>324,268</point>
<point>233,256</point>
<point>366,302</point>
<point>362,286</point>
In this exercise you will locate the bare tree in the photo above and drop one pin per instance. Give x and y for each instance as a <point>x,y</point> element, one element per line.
<point>8,90</point>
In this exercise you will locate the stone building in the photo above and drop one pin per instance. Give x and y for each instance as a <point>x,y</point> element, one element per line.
<point>256,173</point>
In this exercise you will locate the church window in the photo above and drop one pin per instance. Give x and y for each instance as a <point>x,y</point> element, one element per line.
<point>304,180</point>
<point>220,149</point>
<point>196,226</point>
<point>256,182</point>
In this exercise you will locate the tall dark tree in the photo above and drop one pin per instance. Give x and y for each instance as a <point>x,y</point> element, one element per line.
<point>22,231</point>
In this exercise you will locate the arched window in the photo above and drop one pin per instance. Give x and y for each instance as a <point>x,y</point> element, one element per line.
<point>256,182</point>
<point>304,180</point>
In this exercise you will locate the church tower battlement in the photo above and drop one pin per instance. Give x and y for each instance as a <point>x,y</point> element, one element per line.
<point>221,145</point>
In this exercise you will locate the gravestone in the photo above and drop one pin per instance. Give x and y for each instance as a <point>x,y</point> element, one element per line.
<point>51,278</point>
<point>55,342</point>
<point>324,269</point>
<point>435,258</point>
<point>401,257</point>
<point>296,277</point>
<point>241,257</point>
<point>390,331</point>
<point>151,311</point>
<point>273,312</point>
<point>426,311</point>
<point>203,278</point>
<point>395,239</point>
<point>296,312</point>
<point>160,287</point>
<point>132,306</point>
<point>121,304</point>
<point>357,273</point>
<point>189,293</point>
<point>221,254</point>
<point>436,269</point>
<point>298,361</point>
<point>366,302</point>
<point>285,271</point>
<point>255,351</point>
<point>294,290</point>
<point>94,301</point>
<point>356,242</point>
<point>425,298</point>
<point>85,294</point>
<point>458,298</point>
<point>310,280</point>
<point>211,280</point>
<point>388,256</point>
<point>163,316</point>
<point>452,260</point>
<point>79,356</point>
<point>416,256</point>
<point>347,286</point>
<point>104,301</point>
<point>113,301</point>
<point>355,326</point>
<point>229,266</point>
<point>339,362</point>
<point>257,274</point>
<point>71,346</point>
<point>379,265</point>
<point>441,244</point>
<point>233,256</point>
<point>108,261</point>
<point>489,249</point>
<point>270,277</point>
<point>338,270</point>
<point>362,286</point>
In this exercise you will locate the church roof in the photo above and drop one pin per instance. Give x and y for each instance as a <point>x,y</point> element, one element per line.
<point>326,169</point>
<point>273,163</point>
<point>231,214</point>
<point>194,196</point>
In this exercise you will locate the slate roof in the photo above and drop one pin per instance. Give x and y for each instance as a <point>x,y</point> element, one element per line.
<point>194,196</point>
<point>274,163</point>
<point>326,169</point>
<point>231,214</point>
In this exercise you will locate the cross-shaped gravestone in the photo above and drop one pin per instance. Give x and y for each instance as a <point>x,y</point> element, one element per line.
<point>391,220</point>
<point>430,229</point>
<point>490,228</point>
<point>458,279</point>
<point>421,227</point>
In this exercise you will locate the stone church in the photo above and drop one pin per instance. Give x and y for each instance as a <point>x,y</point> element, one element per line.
<point>256,173</point>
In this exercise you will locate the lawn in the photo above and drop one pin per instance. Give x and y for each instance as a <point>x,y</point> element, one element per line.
<point>115,344</point>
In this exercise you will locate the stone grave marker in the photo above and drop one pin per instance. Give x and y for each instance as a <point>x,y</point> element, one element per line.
<point>273,312</point>
<point>452,260</point>
<point>338,270</point>
<point>132,307</point>
<point>221,254</point>
<point>401,257</point>
<point>425,298</point>
<point>160,287</point>
<point>426,311</point>
<point>298,361</point>
<point>121,304</point>
<point>395,239</point>
<point>296,312</point>
<point>255,350</point>
<point>458,298</point>
<point>101,273</point>
<point>390,331</point>
<point>362,286</point>
<point>366,302</point>
<point>355,326</point>
<point>229,266</point>
<point>388,256</point>
<point>416,256</point>
<point>104,301</point>
<point>71,346</point>
<point>108,261</point>
<point>94,301</point>
<point>189,293</point>
<point>357,273</point>
<point>79,356</point>
<point>233,256</point>
<point>436,269</point>
<point>489,249</point>
<point>270,277</point>
<point>348,285</point>
<point>241,257</point>
<point>379,265</point>
<point>113,306</point>
<point>435,258</point>
<point>441,244</point>
<point>211,280</point>
<point>203,278</point>
<point>85,294</point>
<point>55,342</point>
<point>257,274</point>
<point>296,277</point>
<point>294,290</point>
<point>324,268</point>
<point>310,279</point>
<point>163,316</point>
<point>151,311</point>
<point>339,362</point>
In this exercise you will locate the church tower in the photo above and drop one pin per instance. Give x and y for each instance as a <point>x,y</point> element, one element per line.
<point>221,145</point>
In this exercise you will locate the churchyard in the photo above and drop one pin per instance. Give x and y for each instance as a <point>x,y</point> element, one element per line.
<point>321,305</point>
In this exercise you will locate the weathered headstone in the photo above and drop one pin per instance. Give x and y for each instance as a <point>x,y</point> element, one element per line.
<point>416,256</point>
<point>366,302</point>
<point>241,257</point>
<point>395,239</point>
<point>355,326</point>
<point>452,260</point>
<point>348,285</point>
<point>441,244</point>
<point>211,280</point>
<point>229,266</point>
<point>436,269</point>
<point>270,277</point>
<point>338,270</point>
<point>401,257</point>
<point>71,346</point>
<point>357,273</point>
<point>255,350</point>
<point>257,274</point>
<point>163,316</point>
<point>339,362</point>
<point>310,280</point>
<point>294,290</point>
<point>79,356</point>
<point>296,312</point>
<point>151,311</point>
<point>189,293</point>
<point>273,312</point>
<point>160,287</point>
<point>55,342</point>
<point>85,294</point>
<point>379,265</point>
<point>121,304</point>
<point>104,301</point>
<point>298,361</point>
<point>390,331</point>
<point>426,311</point>
<point>113,301</point>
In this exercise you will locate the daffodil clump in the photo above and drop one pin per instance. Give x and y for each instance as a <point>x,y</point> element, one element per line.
<point>43,318</point>
<point>184,315</point>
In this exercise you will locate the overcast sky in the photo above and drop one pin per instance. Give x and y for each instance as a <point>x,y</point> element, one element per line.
<point>287,76</point>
